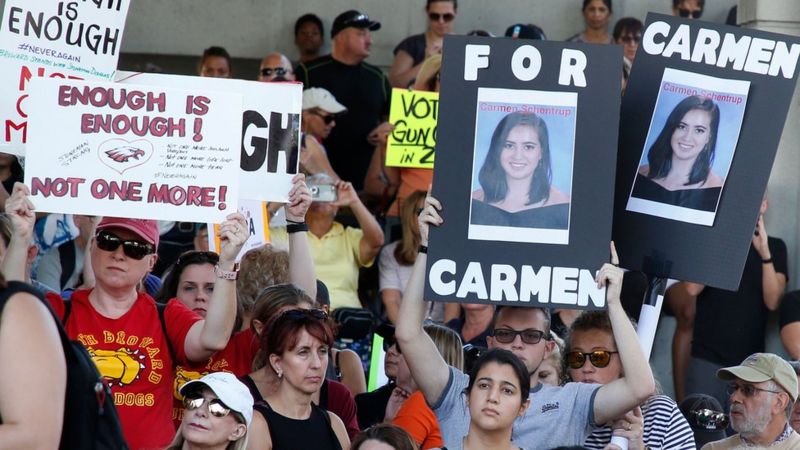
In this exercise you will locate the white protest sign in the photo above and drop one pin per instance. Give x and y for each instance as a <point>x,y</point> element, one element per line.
<point>45,38</point>
<point>133,151</point>
<point>270,129</point>
<point>257,217</point>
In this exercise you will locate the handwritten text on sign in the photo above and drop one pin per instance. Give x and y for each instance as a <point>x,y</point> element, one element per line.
<point>414,115</point>
<point>133,151</point>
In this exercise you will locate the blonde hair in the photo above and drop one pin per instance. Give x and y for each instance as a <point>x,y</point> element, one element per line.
<point>260,268</point>
<point>239,444</point>
<point>448,342</point>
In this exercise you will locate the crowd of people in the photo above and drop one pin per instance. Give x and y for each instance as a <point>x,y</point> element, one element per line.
<point>202,351</point>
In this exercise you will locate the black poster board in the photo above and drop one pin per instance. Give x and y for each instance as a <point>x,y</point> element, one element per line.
<point>684,233</point>
<point>495,246</point>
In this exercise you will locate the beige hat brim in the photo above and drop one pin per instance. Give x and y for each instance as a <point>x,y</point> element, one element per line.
<point>743,373</point>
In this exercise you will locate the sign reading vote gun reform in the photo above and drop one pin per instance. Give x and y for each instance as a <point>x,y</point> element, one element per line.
<point>525,168</point>
<point>412,142</point>
<point>270,129</point>
<point>133,151</point>
<point>53,39</point>
<point>701,120</point>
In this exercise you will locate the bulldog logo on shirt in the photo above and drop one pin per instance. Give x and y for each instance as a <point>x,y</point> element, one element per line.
<point>118,366</point>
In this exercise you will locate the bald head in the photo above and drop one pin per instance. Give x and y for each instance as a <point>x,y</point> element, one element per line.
<point>275,65</point>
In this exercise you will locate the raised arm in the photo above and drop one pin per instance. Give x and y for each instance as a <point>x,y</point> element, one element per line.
<point>211,335</point>
<point>372,240</point>
<point>424,361</point>
<point>301,263</point>
<point>19,209</point>
<point>620,396</point>
<point>773,283</point>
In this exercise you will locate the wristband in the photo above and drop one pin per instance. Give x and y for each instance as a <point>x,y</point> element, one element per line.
<point>232,275</point>
<point>295,221</point>
<point>296,227</point>
<point>766,261</point>
<point>423,249</point>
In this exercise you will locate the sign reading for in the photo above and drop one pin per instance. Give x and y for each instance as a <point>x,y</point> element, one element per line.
<point>412,142</point>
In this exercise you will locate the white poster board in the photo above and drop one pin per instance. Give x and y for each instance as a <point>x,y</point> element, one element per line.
<point>257,217</point>
<point>270,129</point>
<point>133,151</point>
<point>46,38</point>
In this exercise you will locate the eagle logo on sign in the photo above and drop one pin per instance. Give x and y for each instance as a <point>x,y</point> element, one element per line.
<point>121,155</point>
<point>125,153</point>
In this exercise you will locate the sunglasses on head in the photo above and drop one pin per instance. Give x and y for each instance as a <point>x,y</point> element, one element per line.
<point>631,39</point>
<point>446,17</point>
<point>268,71</point>
<point>132,248</point>
<point>598,358</point>
<point>507,335</point>
<point>690,14</point>
<point>709,419</point>
<point>215,406</point>
<point>299,314</point>
<point>327,118</point>
<point>748,390</point>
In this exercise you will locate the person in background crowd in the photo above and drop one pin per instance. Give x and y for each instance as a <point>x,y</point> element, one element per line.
<point>33,376</point>
<point>10,173</point>
<point>413,50</point>
<point>475,326</point>
<point>372,405</point>
<point>297,344</point>
<point>320,111</point>
<point>384,436</point>
<point>715,327</point>
<point>524,31</point>
<point>6,236</point>
<point>262,267</point>
<point>522,331</point>
<point>275,67</point>
<point>628,34</point>
<point>762,389</point>
<point>690,9</point>
<point>789,321</point>
<point>592,356</point>
<point>62,267</point>
<point>262,382</point>
<point>340,251</point>
<point>413,414</point>
<point>122,252</point>
<point>551,370</point>
<point>706,417</point>
<point>201,238</point>
<point>219,410</point>
<point>794,420</point>
<point>309,36</point>
<point>215,63</point>
<point>362,88</point>
<point>596,15</point>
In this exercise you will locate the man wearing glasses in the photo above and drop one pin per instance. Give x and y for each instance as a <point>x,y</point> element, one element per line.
<point>362,88</point>
<point>762,392</point>
<point>688,9</point>
<point>275,67</point>
<point>557,416</point>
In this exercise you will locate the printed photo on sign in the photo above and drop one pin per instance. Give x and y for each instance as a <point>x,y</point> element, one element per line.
<point>522,166</point>
<point>689,148</point>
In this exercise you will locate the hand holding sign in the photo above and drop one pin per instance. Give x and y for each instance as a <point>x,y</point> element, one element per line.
<point>233,234</point>
<point>610,277</point>
<point>19,209</point>
<point>299,199</point>
<point>429,216</point>
<point>760,239</point>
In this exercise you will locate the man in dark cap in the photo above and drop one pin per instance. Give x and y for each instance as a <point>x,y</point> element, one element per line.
<point>362,88</point>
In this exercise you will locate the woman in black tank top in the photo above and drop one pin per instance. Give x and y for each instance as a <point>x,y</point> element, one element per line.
<point>298,344</point>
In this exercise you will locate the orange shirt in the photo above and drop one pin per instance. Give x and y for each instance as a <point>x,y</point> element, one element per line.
<point>419,421</point>
<point>410,180</point>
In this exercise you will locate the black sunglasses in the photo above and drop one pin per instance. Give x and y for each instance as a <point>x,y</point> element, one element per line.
<point>631,39</point>
<point>748,390</point>
<point>132,248</point>
<point>215,406</point>
<point>300,314</point>
<point>197,257</point>
<point>446,17</point>
<point>268,71</point>
<point>327,118</point>
<point>690,14</point>
<point>598,358</point>
<point>507,335</point>
<point>708,419</point>
<point>389,342</point>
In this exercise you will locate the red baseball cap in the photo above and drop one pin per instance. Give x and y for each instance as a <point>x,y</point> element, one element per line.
<point>145,229</point>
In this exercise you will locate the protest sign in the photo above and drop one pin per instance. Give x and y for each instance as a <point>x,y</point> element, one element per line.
<point>257,217</point>
<point>701,120</point>
<point>525,168</point>
<point>270,129</point>
<point>133,151</point>
<point>44,38</point>
<point>412,142</point>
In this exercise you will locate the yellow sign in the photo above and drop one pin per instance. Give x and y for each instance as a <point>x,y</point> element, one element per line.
<point>412,142</point>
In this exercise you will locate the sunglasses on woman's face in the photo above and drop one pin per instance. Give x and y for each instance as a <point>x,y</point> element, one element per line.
<point>631,39</point>
<point>389,342</point>
<point>446,17</point>
<point>132,248</point>
<point>327,118</point>
<point>507,335</point>
<point>686,13</point>
<point>598,358</point>
<point>268,71</point>
<point>215,406</point>
<point>709,419</point>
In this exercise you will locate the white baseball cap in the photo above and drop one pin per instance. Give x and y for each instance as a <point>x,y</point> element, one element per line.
<point>322,99</point>
<point>232,392</point>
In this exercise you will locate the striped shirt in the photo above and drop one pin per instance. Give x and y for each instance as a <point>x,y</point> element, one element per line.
<point>664,427</point>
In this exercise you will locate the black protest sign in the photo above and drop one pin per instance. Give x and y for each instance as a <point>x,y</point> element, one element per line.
<point>526,150</point>
<point>701,120</point>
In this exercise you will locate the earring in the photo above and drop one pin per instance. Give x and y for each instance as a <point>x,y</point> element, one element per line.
<point>280,374</point>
